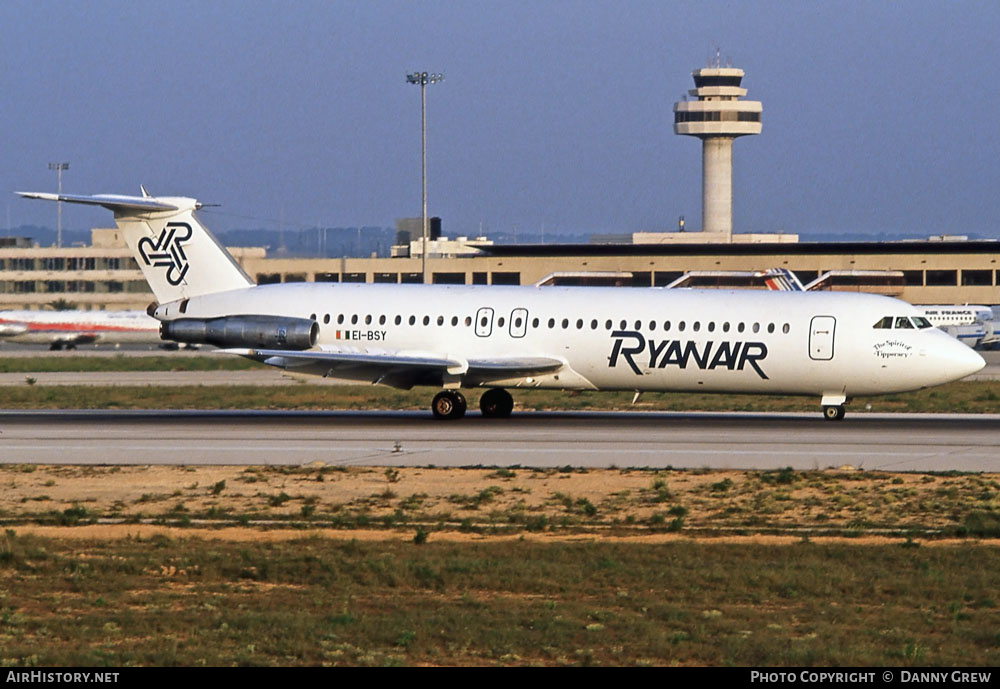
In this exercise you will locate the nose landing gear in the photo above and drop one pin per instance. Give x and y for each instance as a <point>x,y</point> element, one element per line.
<point>833,406</point>
<point>833,412</point>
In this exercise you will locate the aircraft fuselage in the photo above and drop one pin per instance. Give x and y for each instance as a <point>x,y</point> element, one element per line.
<point>624,339</point>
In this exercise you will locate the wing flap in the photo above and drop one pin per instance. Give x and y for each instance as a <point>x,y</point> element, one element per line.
<point>514,365</point>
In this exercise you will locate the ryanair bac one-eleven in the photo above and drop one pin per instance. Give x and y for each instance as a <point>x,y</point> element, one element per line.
<point>831,345</point>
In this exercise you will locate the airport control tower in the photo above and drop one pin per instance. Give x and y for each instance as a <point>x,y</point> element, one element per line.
<point>717,117</point>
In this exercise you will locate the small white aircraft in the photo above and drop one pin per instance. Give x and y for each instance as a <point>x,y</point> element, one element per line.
<point>831,345</point>
<point>70,328</point>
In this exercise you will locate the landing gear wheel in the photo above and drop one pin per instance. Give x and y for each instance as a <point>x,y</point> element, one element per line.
<point>448,404</point>
<point>496,404</point>
<point>833,412</point>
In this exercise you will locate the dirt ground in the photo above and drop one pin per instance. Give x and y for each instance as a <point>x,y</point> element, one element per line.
<point>368,503</point>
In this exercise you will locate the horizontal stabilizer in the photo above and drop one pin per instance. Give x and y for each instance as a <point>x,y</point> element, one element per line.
<point>113,202</point>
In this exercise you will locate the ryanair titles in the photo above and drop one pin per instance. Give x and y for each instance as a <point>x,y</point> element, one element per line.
<point>631,347</point>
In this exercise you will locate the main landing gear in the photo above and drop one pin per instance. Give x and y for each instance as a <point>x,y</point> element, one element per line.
<point>450,404</point>
<point>496,404</point>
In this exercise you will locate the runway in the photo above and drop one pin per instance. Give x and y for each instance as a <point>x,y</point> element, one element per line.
<point>893,442</point>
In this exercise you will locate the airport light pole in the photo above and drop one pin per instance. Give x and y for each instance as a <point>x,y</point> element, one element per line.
<point>424,78</point>
<point>59,167</point>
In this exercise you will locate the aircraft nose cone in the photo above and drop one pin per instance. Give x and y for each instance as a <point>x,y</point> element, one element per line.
<point>962,360</point>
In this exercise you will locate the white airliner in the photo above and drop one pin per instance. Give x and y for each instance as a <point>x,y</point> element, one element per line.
<point>830,345</point>
<point>973,325</point>
<point>59,329</point>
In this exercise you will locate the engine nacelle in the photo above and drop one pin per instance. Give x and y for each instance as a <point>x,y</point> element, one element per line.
<point>263,332</point>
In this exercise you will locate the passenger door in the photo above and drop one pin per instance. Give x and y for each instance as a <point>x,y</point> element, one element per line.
<point>822,330</point>
<point>518,322</point>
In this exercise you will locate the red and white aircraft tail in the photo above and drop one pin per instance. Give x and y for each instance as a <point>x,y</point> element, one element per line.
<point>68,329</point>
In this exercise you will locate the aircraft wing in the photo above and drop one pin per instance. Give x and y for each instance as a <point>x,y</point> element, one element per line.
<point>400,369</point>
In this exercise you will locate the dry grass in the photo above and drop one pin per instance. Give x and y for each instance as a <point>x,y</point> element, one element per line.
<point>322,565</point>
<point>618,502</point>
<point>123,362</point>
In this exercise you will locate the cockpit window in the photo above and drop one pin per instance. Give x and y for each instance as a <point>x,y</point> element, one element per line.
<point>902,322</point>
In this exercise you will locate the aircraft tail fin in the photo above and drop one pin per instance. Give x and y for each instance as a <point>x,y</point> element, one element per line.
<point>178,256</point>
<point>781,280</point>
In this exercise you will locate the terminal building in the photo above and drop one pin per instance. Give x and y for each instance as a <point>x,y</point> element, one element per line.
<point>942,271</point>
<point>102,276</point>
<point>924,272</point>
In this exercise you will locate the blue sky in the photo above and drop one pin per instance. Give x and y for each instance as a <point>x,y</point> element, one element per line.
<point>878,116</point>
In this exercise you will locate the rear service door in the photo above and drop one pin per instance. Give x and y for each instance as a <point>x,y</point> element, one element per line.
<point>821,335</point>
<point>518,322</point>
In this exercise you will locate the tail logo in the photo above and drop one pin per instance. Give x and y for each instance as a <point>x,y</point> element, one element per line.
<point>167,251</point>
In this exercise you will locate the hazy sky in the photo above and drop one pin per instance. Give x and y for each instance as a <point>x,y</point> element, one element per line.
<point>878,116</point>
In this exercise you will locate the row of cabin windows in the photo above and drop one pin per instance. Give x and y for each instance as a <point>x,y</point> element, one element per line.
<point>565,323</point>
<point>902,323</point>
<point>398,320</point>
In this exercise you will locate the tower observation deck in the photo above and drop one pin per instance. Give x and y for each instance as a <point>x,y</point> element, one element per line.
<point>717,117</point>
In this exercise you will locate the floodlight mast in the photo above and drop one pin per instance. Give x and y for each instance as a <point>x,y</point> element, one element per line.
<point>59,167</point>
<point>422,79</point>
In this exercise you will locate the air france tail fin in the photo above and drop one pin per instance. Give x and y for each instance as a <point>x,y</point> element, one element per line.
<point>781,280</point>
<point>178,256</point>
